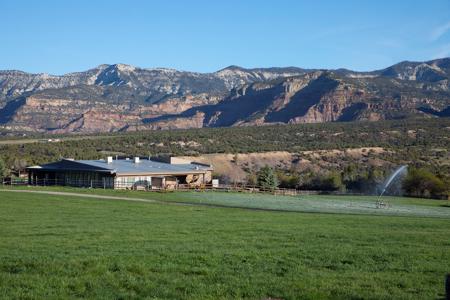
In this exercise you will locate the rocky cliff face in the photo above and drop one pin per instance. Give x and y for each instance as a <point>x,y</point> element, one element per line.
<point>321,96</point>
<point>121,82</point>
<point>121,97</point>
<point>182,122</point>
<point>42,102</point>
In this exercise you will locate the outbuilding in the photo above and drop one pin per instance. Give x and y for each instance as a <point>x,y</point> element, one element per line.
<point>133,173</point>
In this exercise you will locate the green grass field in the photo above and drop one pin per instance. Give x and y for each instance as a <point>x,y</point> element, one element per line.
<point>54,247</point>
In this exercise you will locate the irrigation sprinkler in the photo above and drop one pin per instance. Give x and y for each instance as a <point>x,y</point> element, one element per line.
<point>400,170</point>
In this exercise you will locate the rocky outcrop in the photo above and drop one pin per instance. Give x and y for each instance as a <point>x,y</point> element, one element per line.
<point>45,114</point>
<point>57,114</point>
<point>176,105</point>
<point>98,121</point>
<point>317,97</point>
<point>65,116</point>
<point>194,121</point>
<point>135,84</point>
<point>57,103</point>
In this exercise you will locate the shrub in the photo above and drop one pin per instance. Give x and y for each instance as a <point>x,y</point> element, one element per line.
<point>423,183</point>
<point>330,182</point>
<point>289,181</point>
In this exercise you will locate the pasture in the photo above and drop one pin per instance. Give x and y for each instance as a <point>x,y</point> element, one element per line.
<point>316,247</point>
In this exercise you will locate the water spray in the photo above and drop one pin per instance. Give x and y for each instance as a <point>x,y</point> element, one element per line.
<point>398,171</point>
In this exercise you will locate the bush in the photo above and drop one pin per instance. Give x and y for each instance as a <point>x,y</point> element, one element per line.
<point>289,181</point>
<point>422,183</point>
<point>330,182</point>
<point>333,182</point>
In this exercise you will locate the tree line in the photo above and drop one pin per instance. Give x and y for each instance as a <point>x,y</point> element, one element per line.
<point>417,183</point>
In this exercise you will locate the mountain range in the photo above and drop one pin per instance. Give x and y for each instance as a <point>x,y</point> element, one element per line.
<point>121,97</point>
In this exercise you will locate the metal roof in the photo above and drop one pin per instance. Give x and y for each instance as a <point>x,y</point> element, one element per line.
<point>124,166</point>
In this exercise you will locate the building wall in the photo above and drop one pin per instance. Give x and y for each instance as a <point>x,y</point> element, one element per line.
<point>127,182</point>
<point>104,180</point>
<point>159,181</point>
<point>142,182</point>
<point>71,178</point>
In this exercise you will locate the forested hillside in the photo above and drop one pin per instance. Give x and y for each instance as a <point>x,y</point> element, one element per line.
<point>416,141</point>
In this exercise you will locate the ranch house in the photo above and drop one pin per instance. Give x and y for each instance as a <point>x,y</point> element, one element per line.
<point>112,173</point>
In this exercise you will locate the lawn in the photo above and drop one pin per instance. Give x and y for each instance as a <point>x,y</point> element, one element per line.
<point>341,204</point>
<point>69,247</point>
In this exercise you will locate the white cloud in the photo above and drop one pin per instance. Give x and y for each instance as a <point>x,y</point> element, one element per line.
<point>439,31</point>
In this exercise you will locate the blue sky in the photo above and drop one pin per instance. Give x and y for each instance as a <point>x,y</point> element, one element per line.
<point>57,37</point>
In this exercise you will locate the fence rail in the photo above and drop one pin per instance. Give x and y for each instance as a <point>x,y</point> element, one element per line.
<point>146,186</point>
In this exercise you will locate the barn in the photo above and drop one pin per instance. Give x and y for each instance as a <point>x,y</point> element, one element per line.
<point>127,173</point>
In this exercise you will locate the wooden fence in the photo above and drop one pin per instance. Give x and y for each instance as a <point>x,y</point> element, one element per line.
<point>145,186</point>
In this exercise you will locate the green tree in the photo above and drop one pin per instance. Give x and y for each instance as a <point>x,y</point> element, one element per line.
<point>267,178</point>
<point>329,182</point>
<point>3,170</point>
<point>333,182</point>
<point>289,180</point>
<point>423,183</point>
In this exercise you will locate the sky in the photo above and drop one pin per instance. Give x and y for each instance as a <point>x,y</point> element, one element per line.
<point>61,36</point>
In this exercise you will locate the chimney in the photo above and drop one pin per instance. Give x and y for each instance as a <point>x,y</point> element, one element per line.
<point>136,159</point>
<point>109,159</point>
